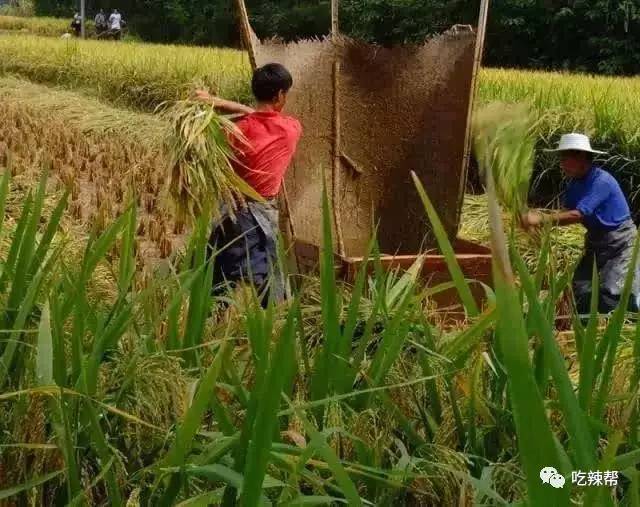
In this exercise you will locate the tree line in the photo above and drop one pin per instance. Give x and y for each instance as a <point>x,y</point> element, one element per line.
<point>600,36</point>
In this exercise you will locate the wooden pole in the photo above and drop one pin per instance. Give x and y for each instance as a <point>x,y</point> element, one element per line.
<point>337,138</point>
<point>337,165</point>
<point>82,18</point>
<point>335,15</point>
<point>477,62</point>
<point>245,32</point>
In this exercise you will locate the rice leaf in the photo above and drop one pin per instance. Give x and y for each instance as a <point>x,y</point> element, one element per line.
<point>30,484</point>
<point>456,273</point>
<point>577,423</point>
<point>44,357</point>
<point>281,362</point>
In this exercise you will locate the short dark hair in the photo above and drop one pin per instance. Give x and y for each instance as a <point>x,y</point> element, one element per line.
<point>269,80</point>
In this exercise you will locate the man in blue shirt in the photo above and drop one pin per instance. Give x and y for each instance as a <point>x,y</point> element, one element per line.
<point>594,199</point>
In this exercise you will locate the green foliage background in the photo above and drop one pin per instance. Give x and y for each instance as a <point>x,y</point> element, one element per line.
<point>588,35</point>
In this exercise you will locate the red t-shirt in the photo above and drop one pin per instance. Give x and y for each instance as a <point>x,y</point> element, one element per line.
<point>272,140</point>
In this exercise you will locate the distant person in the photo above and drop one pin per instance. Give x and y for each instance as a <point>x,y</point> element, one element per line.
<point>594,199</point>
<point>76,24</point>
<point>115,24</point>
<point>249,240</point>
<point>101,22</point>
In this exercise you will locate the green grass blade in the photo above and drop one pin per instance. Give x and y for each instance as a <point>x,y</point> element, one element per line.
<point>192,419</point>
<point>635,379</point>
<point>47,237</point>
<point>326,360</point>
<point>456,273</point>
<point>30,484</point>
<point>58,343</point>
<point>101,448</point>
<point>588,358</point>
<point>97,249</point>
<point>81,498</point>
<point>66,443</point>
<point>282,362</point>
<point>127,254</point>
<point>44,352</point>
<point>200,303</point>
<point>341,476</point>
<point>8,271</point>
<point>217,472</point>
<point>345,383</point>
<point>457,349</point>
<point>576,419</point>
<point>393,338</point>
<point>26,307</point>
<point>612,336</point>
<point>179,450</point>
<point>4,192</point>
<point>536,441</point>
<point>106,339</point>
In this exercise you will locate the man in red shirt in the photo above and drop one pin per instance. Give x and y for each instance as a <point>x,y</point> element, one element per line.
<point>246,246</point>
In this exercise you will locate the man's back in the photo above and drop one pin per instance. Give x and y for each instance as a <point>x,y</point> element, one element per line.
<point>272,140</point>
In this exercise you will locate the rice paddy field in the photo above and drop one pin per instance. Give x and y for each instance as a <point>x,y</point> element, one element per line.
<point>124,381</point>
<point>51,27</point>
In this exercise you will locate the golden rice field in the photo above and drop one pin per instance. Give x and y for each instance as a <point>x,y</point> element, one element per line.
<point>53,27</point>
<point>132,74</point>
<point>126,382</point>
<point>606,108</point>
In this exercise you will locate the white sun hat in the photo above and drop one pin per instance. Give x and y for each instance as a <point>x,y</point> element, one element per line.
<point>576,142</point>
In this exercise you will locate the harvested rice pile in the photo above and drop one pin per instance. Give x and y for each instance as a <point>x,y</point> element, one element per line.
<point>103,155</point>
<point>566,242</point>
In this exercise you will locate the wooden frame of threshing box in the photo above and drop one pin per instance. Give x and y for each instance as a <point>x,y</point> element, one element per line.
<point>371,116</point>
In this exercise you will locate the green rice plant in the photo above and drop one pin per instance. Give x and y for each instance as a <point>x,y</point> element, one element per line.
<point>201,174</point>
<point>26,270</point>
<point>392,408</point>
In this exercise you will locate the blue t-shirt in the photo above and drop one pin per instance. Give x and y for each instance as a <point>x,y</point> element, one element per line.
<point>599,198</point>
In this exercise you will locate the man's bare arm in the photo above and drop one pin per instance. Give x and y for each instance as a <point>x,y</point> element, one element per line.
<point>568,217</point>
<point>228,106</point>
<point>558,218</point>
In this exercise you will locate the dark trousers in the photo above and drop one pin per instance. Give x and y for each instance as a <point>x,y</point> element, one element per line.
<point>610,252</point>
<point>244,253</point>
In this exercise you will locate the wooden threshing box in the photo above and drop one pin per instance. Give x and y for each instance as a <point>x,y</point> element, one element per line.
<point>371,115</point>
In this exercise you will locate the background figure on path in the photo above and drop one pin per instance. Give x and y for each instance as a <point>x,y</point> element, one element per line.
<point>76,24</point>
<point>115,24</point>
<point>248,242</point>
<point>594,199</point>
<point>101,22</point>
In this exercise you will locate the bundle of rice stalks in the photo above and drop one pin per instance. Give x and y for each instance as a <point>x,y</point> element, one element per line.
<point>504,143</point>
<point>201,175</point>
